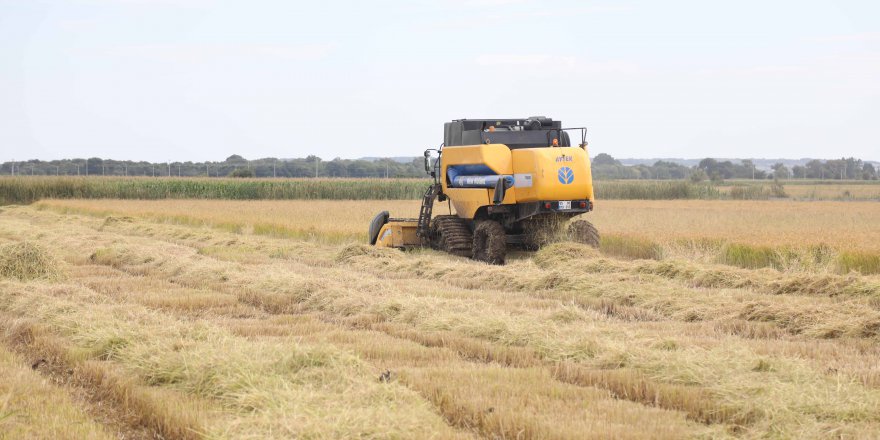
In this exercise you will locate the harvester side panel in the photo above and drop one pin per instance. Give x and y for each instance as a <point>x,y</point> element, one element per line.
<point>494,157</point>
<point>552,174</point>
<point>466,201</point>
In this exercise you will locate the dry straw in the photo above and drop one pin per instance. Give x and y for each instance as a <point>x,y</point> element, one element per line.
<point>27,261</point>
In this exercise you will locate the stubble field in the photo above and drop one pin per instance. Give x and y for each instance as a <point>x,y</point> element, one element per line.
<point>212,319</point>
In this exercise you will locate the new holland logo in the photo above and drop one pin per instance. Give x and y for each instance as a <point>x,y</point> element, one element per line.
<point>566,175</point>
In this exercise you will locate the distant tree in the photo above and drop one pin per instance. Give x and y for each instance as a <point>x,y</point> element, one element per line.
<point>669,170</point>
<point>816,169</point>
<point>707,164</point>
<point>644,172</point>
<point>361,168</point>
<point>868,172</point>
<point>605,159</point>
<point>698,176</point>
<point>750,169</point>
<point>336,168</point>
<point>604,167</point>
<point>94,166</point>
<point>717,171</point>
<point>780,171</point>
<point>836,169</point>
<point>242,172</point>
<point>853,168</point>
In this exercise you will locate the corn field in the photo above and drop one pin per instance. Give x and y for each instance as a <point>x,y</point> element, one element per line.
<point>27,189</point>
<point>23,190</point>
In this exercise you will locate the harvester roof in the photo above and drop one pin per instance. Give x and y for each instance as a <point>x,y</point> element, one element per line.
<point>531,132</point>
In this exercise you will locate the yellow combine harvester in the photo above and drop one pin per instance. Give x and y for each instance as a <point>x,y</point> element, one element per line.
<point>512,182</point>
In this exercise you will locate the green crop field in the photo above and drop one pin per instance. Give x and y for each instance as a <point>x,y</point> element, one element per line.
<point>27,189</point>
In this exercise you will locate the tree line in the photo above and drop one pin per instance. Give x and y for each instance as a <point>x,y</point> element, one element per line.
<point>604,167</point>
<point>233,166</point>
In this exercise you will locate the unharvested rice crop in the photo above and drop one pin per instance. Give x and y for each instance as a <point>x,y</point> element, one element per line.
<point>786,235</point>
<point>324,220</point>
<point>831,191</point>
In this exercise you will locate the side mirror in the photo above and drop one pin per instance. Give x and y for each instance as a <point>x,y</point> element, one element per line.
<point>431,158</point>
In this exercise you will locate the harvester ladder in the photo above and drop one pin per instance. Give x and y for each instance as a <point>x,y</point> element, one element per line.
<point>424,226</point>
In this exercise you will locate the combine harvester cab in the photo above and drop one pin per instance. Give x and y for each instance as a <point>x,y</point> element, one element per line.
<point>512,183</point>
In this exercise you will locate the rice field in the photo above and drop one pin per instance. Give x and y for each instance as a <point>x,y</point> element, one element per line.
<point>819,191</point>
<point>116,323</point>
<point>786,235</point>
<point>794,189</point>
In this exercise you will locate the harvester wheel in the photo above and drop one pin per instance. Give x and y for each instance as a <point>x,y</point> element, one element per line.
<point>582,231</point>
<point>376,225</point>
<point>450,234</point>
<point>490,243</point>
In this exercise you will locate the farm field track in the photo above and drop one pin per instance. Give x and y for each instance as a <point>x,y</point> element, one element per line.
<point>194,331</point>
<point>813,236</point>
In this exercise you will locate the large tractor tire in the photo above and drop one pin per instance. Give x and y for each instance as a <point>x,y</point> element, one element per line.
<point>490,242</point>
<point>451,234</point>
<point>582,231</point>
<point>376,225</point>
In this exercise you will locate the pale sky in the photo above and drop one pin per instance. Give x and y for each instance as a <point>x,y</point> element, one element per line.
<point>200,80</point>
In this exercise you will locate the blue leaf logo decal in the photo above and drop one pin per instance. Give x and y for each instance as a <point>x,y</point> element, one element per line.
<point>566,175</point>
